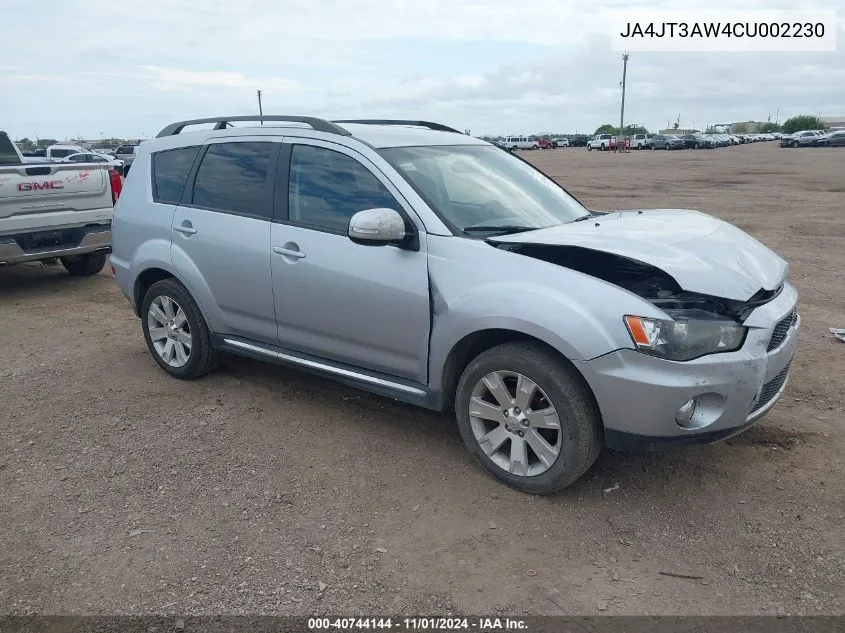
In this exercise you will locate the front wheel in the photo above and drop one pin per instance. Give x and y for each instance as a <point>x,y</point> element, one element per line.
<point>795,144</point>
<point>84,265</point>
<point>602,147</point>
<point>589,148</point>
<point>175,331</point>
<point>528,418</point>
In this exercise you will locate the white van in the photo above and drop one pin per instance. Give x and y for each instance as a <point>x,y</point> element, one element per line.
<point>521,142</point>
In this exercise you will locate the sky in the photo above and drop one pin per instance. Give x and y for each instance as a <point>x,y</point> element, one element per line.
<point>126,69</point>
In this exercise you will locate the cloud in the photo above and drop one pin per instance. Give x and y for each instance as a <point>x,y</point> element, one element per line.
<point>489,65</point>
<point>177,78</point>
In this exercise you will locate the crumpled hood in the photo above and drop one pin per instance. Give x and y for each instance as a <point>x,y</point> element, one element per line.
<point>703,254</point>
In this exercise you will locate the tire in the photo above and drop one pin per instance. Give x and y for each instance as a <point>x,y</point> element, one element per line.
<point>795,144</point>
<point>202,357</point>
<point>84,265</point>
<point>667,147</point>
<point>602,148</point>
<point>578,442</point>
<point>589,148</point>
<point>514,148</point>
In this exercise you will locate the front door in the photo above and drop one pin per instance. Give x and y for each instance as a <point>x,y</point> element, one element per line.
<point>366,306</point>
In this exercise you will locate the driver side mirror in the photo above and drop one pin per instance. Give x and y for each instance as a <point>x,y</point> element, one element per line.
<point>377,227</point>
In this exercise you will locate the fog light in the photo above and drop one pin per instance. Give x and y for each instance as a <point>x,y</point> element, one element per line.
<point>685,413</point>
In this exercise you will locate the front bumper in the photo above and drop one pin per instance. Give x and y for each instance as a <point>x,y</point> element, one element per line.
<point>638,395</point>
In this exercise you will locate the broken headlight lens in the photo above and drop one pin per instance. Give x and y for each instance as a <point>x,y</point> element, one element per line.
<point>683,338</point>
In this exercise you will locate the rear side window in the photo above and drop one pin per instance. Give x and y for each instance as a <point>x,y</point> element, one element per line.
<point>233,177</point>
<point>125,149</point>
<point>327,188</point>
<point>170,172</point>
<point>62,153</point>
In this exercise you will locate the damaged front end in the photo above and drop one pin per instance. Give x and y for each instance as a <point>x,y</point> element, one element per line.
<point>645,280</point>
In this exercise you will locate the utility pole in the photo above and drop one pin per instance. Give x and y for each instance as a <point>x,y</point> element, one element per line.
<point>260,110</point>
<point>622,112</point>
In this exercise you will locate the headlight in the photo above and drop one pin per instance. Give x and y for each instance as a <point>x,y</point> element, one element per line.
<point>682,338</point>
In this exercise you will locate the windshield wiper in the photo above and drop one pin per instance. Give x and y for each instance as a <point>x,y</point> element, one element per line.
<point>499,228</point>
<point>583,217</point>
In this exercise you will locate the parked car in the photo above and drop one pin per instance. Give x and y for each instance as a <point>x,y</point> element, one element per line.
<point>55,210</point>
<point>668,141</point>
<point>697,141</point>
<point>521,142</point>
<point>806,138</point>
<point>126,154</point>
<point>544,143</point>
<point>579,140</point>
<point>560,142</point>
<point>93,157</point>
<point>642,141</point>
<point>831,139</point>
<point>602,142</point>
<point>388,256</point>
<point>53,153</point>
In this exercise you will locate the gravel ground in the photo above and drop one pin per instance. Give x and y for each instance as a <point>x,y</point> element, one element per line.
<point>263,490</point>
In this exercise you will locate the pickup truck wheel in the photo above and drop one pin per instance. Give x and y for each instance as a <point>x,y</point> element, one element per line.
<point>589,148</point>
<point>530,420</point>
<point>84,265</point>
<point>602,147</point>
<point>175,331</point>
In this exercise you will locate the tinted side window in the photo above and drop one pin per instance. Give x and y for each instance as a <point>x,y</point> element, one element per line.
<point>233,177</point>
<point>327,188</point>
<point>62,153</point>
<point>170,171</point>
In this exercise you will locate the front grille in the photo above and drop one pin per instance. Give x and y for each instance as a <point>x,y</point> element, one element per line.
<point>781,330</point>
<point>771,388</point>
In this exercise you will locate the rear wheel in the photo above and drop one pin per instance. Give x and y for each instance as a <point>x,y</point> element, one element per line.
<point>528,418</point>
<point>84,265</point>
<point>175,331</point>
<point>602,147</point>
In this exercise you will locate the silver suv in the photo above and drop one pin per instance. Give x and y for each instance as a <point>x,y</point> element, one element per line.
<point>411,260</point>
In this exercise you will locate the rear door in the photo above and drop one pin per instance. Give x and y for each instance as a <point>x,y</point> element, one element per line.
<point>220,241</point>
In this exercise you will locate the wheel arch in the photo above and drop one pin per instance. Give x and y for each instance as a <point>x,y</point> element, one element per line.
<point>471,345</point>
<point>143,282</point>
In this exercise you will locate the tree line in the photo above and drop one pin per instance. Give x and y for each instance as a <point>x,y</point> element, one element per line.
<point>791,125</point>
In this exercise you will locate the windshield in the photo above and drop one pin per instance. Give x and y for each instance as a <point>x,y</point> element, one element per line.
<point>477,189</point>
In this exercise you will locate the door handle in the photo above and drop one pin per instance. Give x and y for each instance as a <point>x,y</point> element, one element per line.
<point>288,252</point>
<point>185,228</point>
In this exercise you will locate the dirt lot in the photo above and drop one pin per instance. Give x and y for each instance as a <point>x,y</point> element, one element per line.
<point>259,489</point>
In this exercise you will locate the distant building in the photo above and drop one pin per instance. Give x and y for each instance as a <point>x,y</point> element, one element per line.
<point>834,122</point>
<point>750,127</point>
<point>678,132</point>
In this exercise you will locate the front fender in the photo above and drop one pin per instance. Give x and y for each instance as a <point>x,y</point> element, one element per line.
<point>476,287</point>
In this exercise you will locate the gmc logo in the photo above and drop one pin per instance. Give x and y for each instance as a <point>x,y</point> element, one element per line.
<point>38,186</point>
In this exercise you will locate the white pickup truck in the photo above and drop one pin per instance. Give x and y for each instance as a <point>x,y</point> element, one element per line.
<point>602,142</point>
<point>52,211</point>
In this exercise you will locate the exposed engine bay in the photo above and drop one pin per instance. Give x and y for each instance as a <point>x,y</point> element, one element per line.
<point>647,281</point>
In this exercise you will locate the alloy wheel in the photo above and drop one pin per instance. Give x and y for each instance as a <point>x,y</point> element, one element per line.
<point>515,423</point>
<point>170,331</point>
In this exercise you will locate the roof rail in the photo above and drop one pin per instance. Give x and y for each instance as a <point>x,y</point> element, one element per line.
<point>431,126</point>
<point>222,122</point>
